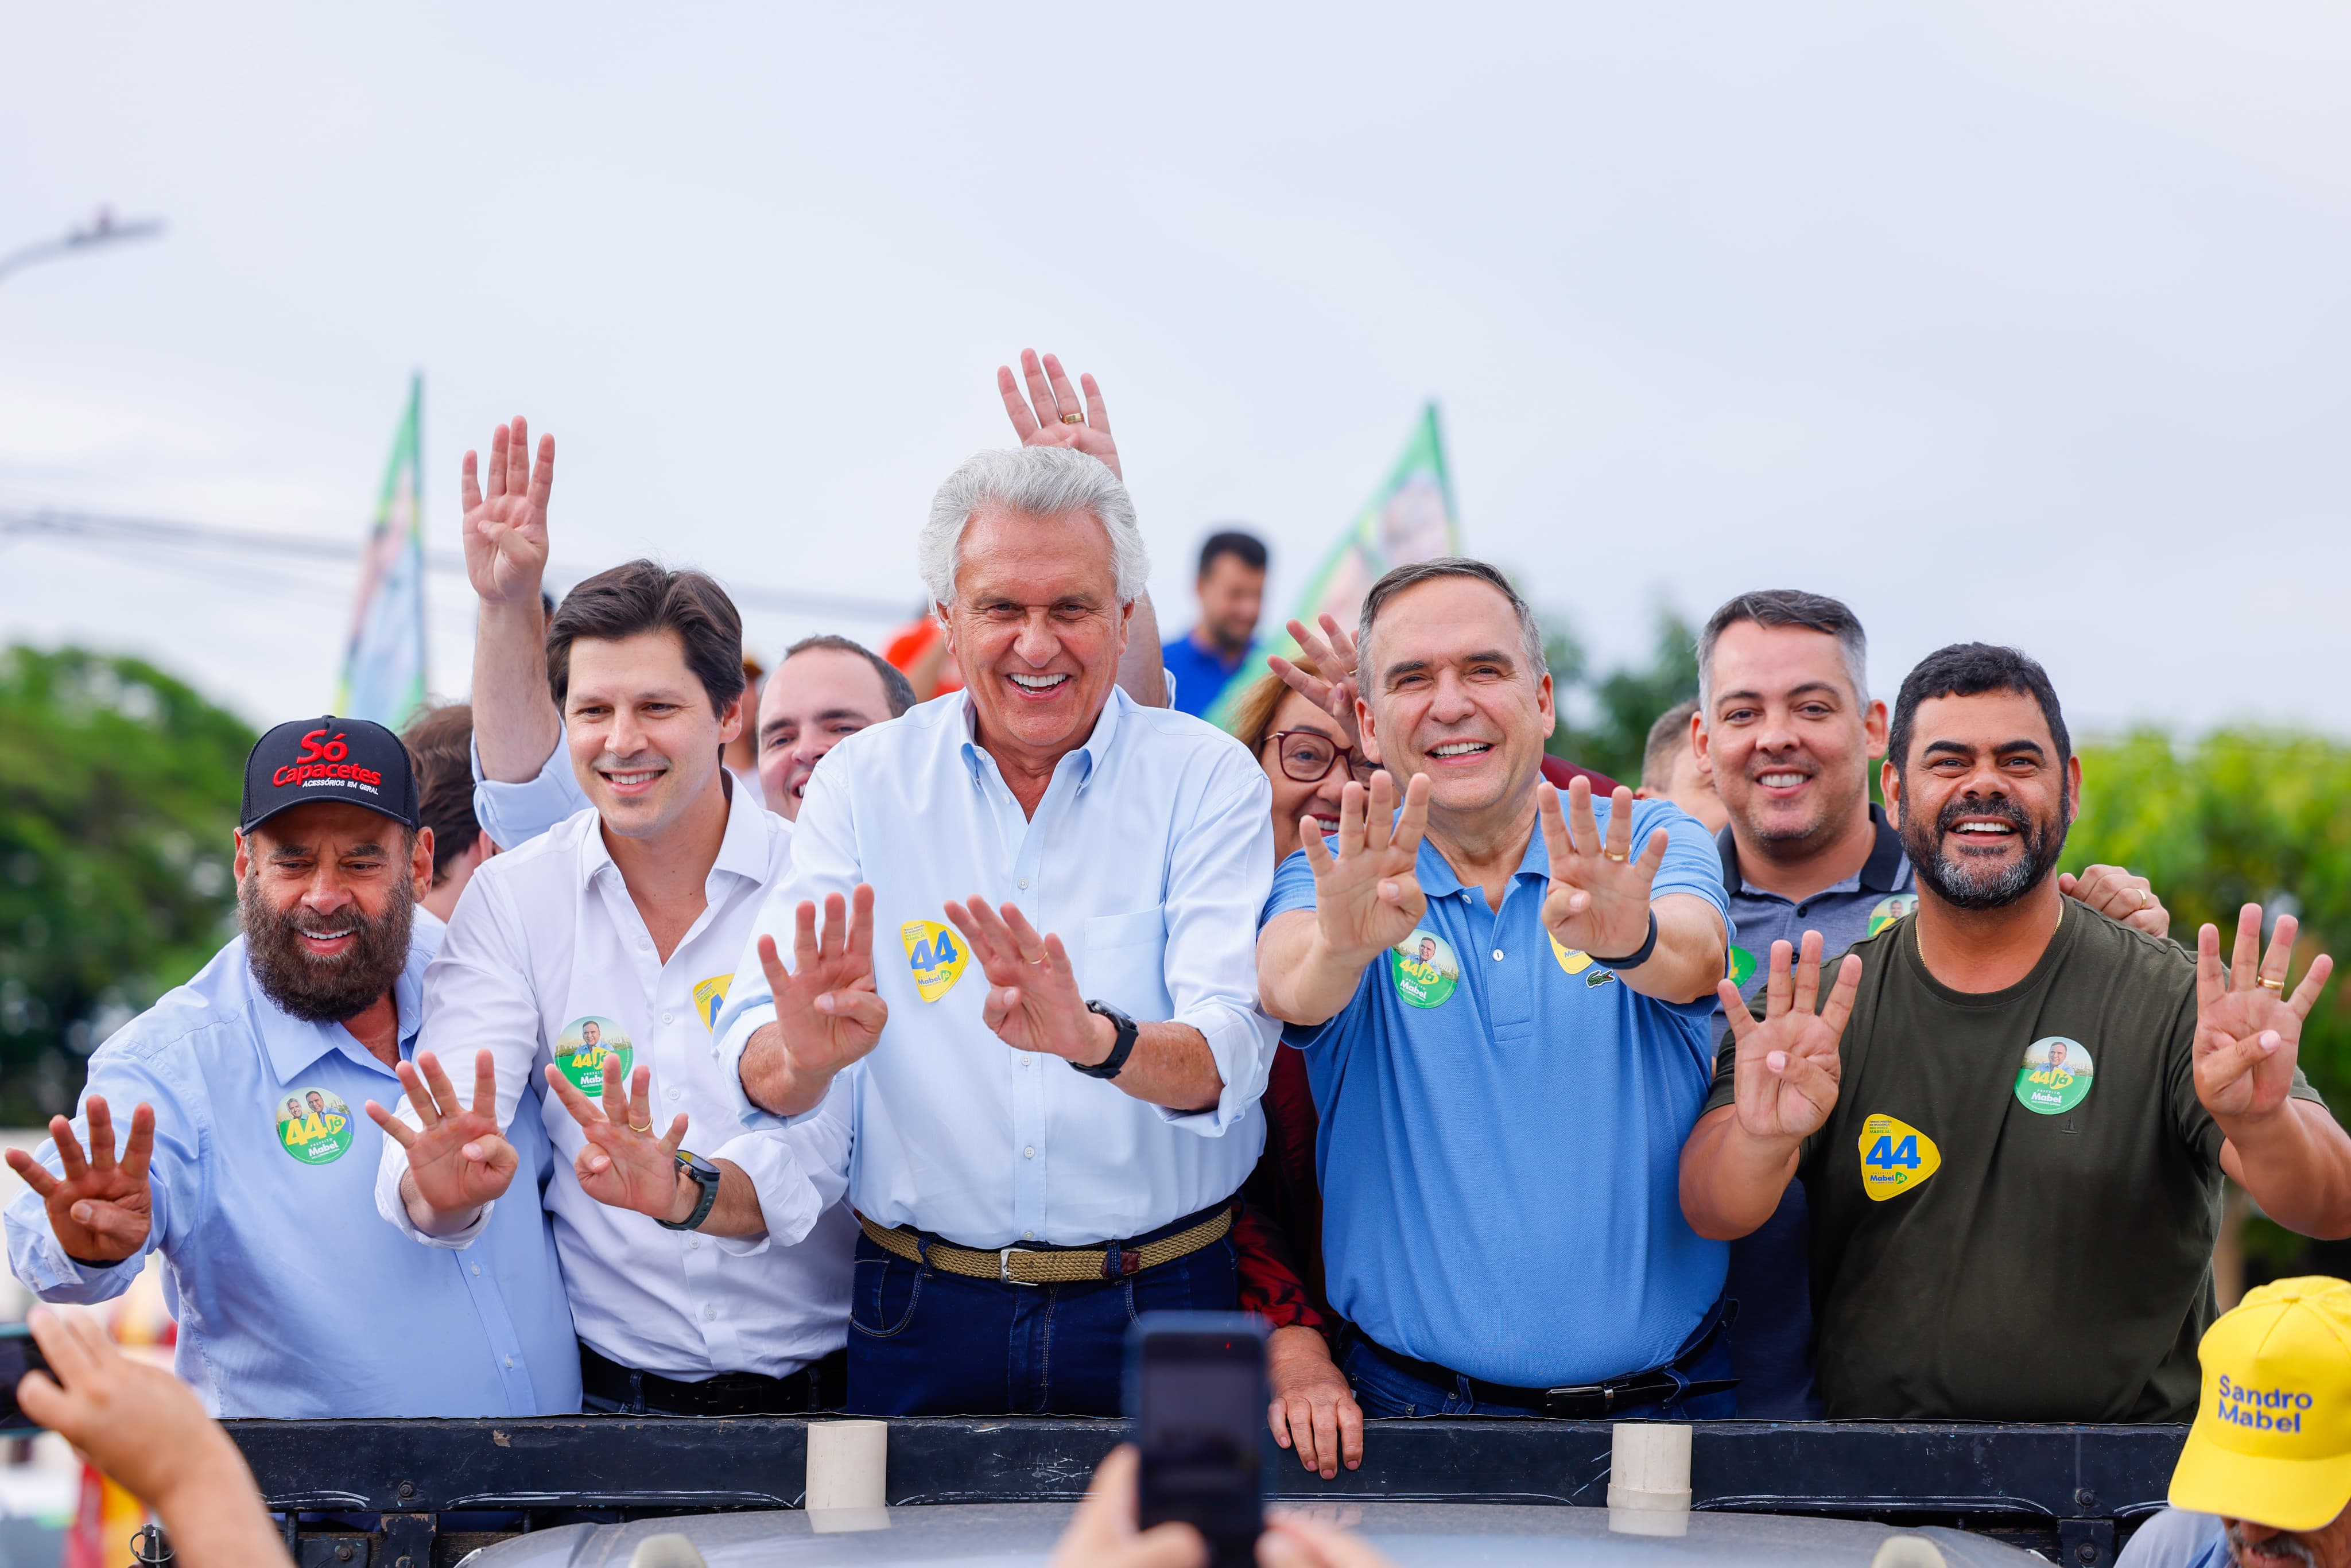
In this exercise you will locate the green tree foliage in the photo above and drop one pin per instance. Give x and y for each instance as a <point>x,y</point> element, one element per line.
<point>1625,701</point>
<point>118,790</point>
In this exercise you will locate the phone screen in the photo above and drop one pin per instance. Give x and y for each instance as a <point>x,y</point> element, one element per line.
<point>18,1355</point>
<point>1198,1381</point>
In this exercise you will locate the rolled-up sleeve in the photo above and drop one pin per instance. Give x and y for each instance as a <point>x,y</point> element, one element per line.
<point>798,1171</point>
<point>824,860</point>
<point>144,1074</point>
<point>477,996</point>
<point>514,814</point>
<point>1220,870</point>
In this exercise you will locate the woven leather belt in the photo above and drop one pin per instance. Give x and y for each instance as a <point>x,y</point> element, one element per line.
<point>1049,1265</point>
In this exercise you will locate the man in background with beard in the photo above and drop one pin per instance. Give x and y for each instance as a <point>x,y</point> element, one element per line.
<point>313,1005</point>
<point>1928,1159</point>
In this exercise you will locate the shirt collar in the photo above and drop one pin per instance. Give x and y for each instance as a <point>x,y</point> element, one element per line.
<point>1881,872</point>
<point>742,849</point>
<point>1438,879</point>
<point>1090,755</point>
<point>293,1045</point>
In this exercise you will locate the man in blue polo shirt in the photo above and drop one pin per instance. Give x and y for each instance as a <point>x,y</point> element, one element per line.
<point>1506,1033</point>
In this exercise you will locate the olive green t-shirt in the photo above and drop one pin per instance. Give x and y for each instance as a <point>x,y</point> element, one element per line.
<point>2014,1200</point>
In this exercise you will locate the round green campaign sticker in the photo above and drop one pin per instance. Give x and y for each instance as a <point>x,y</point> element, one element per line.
<point>1889,909</point>
<point>1742,968</point>
<point>314,1126</point>
<point>2056,1076</point>
<point>1426,969</point>
<point>583,1047</point>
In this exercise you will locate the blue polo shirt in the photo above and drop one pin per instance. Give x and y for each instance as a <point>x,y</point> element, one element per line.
<point>1200,676</point>
<point>1502,1131</point>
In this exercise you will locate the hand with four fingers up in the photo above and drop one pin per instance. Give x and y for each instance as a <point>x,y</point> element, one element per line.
<point>1599,897</point>
<point>1367,894</point>
<point>2248,1028</point>
<point>505,516</point>
<point>1053,414</point>
<point>100,1208</point>
<point>1033,1002</point>
<point>1787,1069</point>
<point>458,1158</point>
<point>626,1163</point>
<point>826,1006</point>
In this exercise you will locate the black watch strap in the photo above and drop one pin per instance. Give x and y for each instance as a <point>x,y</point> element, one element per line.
<point>1638,956</point>
<point>703,1174</point>
<point>1120,1048</point>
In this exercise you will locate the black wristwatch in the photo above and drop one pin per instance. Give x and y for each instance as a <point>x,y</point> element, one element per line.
<point>1120,1048</point>
<point>703,1174</point>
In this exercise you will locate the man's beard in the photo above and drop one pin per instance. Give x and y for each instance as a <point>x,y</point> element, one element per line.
<point>324,990</point>
<point>1956,883</point>
<point>2276,1549</point>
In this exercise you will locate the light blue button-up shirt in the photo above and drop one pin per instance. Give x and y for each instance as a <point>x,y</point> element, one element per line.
<point>1150,856</point>
<point>292,1298</point>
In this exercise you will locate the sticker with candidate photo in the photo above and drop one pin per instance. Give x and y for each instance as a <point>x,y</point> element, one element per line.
<point>1426,969</point>
<point>2056,1076</point>
<point>314,1126</point>
<point>583,1047</point>
<point>1891,908</point>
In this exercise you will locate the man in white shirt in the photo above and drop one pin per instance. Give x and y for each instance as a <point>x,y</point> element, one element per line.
<point>596,956</point>
<point>1049,862</point>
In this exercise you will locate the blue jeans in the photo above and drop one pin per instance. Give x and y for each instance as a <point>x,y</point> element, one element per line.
<point>926,1343</point>
<point>1385,1390</point>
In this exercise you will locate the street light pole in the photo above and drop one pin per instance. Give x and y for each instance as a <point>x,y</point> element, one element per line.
<point>102,230</point>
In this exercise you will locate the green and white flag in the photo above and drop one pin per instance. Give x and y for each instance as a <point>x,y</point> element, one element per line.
<point>1409,517</point>
<point>383,666</point>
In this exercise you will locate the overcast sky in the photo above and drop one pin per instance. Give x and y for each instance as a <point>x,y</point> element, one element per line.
<point>2013,321</point>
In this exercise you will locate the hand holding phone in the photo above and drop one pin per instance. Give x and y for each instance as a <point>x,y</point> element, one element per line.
<point>1196,1394</point>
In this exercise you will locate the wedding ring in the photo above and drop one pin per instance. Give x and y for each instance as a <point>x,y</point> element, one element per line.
<point>1612,855</point>
<point>1073,419</point>
<point>2145,898</point>
<point>2270,984</point>
<point>646,1128</point>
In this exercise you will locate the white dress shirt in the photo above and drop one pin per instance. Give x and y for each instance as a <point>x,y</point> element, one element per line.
<point>545,937</point>
<point>1150,855</point>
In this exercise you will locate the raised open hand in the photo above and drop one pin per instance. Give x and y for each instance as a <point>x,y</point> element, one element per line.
<point>1787,1070</point>
<point>1332,685</point>
<point>506,528</point>
<point>100,1208</point>
<point>1052,414</point>
<point>1598,901</point>
<point>2248,1029</point>
<point>625,1163</point>
<point>1367,897</point>
<point>826,1008</point>
<point>460,1160</point>
<point>1033,989</point>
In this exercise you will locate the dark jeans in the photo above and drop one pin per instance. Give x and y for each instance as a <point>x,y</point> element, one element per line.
<point>1385,1390</point>
<point>923,1342</point>
<point>1771,1344</point>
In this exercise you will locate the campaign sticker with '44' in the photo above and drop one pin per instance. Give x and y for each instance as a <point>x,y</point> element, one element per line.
<point>1895,1158</point>
<point>2056,1076</point>
<point>583,1047</point>
<point>1426,969</point>
<point>936,955</point>
<point>710,999</point>
<point>314,1126</point>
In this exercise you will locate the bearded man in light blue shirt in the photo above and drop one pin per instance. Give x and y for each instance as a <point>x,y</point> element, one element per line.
<point>1056,872</point>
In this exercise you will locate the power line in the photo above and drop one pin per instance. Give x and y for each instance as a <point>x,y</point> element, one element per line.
<point>93,530</point>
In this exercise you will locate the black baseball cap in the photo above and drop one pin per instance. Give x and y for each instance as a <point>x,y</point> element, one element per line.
<point>353,760</point>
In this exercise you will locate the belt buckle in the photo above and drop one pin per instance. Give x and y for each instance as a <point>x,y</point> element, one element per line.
<point>1574,1403</point>
<point>1004,1274</point>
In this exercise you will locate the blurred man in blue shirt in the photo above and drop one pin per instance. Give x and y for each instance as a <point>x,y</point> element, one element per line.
<point>246,1161</point>
<point>1504,1010</point>
<point>1231,590</point>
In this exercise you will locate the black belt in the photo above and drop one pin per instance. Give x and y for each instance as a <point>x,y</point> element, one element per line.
<point>819,1386</point>
<point>1585,1401</point>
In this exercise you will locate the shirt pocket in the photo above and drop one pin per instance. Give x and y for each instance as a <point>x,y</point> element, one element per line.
<point>1125,964</point>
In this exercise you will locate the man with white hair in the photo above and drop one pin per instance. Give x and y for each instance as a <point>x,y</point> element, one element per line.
<point>1057,871</point>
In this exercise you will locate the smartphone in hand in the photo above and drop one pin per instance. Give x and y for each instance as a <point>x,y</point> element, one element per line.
<point>18,1355</point>
<point>1195,1392</point>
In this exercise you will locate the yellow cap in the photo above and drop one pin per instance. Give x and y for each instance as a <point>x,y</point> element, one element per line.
<point>2271,1441</point>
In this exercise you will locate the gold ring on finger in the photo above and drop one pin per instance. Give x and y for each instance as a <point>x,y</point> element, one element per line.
<point>1073,419</point>
<point>1612,855</point>
<point>646,1128</point>
<point>2270,984</point>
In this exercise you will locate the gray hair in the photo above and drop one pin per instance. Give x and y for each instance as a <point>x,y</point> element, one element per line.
<point>1032,482</point>
<point>1418,572</point>
<point>1786,607</point>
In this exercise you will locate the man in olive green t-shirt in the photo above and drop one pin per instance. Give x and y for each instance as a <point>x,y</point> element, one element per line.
<point>2010,1114</point>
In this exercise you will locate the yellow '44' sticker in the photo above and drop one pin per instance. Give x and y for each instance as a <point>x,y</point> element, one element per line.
<point>1895,1158</point>
<point>936,955</point>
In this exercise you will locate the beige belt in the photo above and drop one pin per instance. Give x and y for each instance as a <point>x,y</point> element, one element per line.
<point>1049,1265</point>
